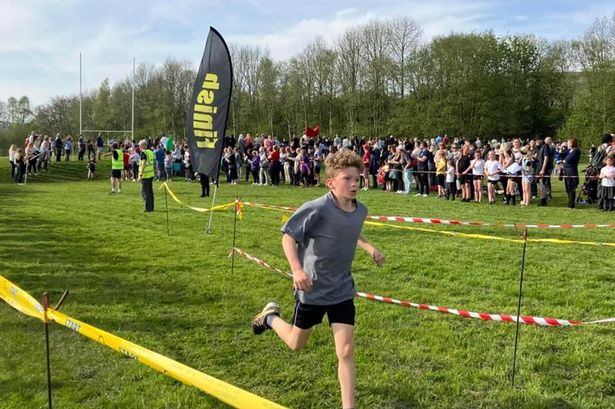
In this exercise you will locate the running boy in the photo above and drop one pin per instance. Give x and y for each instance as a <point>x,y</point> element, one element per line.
<point>319,242</point>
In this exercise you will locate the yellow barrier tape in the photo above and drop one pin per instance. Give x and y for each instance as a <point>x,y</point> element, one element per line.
<point>450,233</point>
<point>446,233</point>
<point>219,208</point>
<point>487,237</point>
<point>271,207</point>
<point>221,390</point>
<point>561,241</point>
<point>20,300</point>
<point>239,209</point>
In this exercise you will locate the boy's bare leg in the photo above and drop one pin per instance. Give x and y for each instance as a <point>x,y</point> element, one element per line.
<point>295,337</point>
<point>344,348</point>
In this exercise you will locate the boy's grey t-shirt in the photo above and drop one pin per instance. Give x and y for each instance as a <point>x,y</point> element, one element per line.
<point>326,239</point>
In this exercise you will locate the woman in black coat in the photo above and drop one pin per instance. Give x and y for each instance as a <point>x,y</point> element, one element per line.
<point>571,170</point>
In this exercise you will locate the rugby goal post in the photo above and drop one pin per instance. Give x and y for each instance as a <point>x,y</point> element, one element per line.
<point>131,131</point>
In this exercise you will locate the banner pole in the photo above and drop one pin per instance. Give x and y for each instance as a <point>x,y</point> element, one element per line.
<point>236,208</point>
<point>46,323</point>
<point>211,214</point>
<point>166,205</point>
<point>514,363</point>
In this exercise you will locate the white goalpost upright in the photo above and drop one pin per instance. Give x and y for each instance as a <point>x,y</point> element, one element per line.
<point>132,116</point>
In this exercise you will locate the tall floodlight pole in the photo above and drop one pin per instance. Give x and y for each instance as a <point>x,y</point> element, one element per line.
<point>80,99</point>
<point>133,100</point>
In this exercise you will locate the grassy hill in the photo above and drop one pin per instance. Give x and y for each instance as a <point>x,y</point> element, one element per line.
<point>178,296</point>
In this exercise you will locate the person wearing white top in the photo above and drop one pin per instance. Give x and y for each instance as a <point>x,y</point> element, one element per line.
<point>478,170</point>
<point>44,153</point>
<point>493,168</point>
<point>12,153</point>
<point>133,160</point>
<point>607,184</point>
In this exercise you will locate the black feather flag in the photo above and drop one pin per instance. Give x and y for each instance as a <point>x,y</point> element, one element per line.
<point>209,106</point>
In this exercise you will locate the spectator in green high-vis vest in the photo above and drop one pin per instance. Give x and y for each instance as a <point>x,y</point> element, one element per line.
<point>117,165</point>
<point>146,175</point>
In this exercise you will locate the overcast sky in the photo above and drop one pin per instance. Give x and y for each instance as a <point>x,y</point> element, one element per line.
<point>41,39</point>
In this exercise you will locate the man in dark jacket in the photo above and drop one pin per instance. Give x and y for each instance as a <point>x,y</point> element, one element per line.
<point>571,170</point>
<point>544,165</point>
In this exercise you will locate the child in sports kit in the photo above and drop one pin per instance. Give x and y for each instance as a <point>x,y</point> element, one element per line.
<point>319,241</point>
<point>492,170</point>
<point>91,167</point>
<point>478,170</point>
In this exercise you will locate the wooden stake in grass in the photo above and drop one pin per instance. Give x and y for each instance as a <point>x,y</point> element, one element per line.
<point>166,205</point>
<point>213,203</point>
<point>236,210</point>
<point>46,324</point>
<point>514,363</point>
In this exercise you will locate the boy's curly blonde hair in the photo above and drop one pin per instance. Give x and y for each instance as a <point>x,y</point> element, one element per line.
<point>343,159</point>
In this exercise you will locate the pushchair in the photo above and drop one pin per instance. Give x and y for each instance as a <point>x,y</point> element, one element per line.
<point>589,188</point>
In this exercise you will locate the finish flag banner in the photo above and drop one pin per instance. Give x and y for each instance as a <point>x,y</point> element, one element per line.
<point>209,106</point>
<point>230,394</point>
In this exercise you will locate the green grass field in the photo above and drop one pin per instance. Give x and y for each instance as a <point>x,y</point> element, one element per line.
<point>178,296</point>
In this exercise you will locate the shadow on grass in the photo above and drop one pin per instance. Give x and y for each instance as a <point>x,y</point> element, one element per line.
<point>73,171</point>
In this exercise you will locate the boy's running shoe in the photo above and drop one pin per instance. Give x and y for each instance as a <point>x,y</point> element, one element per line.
<point>259,324</point>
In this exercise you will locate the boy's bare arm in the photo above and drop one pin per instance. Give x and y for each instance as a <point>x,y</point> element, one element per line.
<point>301,280</point>
<point>373,251</point>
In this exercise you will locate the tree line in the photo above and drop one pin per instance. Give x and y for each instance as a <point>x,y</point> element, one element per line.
<point>376,79</point>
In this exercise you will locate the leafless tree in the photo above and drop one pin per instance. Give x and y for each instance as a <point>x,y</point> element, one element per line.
<point>405,40</point>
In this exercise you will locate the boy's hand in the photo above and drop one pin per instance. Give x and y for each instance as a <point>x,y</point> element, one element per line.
<point>378,258</point>
<point>302,281</point>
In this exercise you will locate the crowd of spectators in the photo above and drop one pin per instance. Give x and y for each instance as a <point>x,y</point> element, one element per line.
<point>520,170</point>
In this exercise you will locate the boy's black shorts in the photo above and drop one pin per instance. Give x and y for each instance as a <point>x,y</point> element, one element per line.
<point>306,316</point>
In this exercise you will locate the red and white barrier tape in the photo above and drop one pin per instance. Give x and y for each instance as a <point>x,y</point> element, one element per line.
<point>524,319</point>
<point>259,262</point>
<point>423,220</point>
<point>550,322</point>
